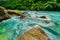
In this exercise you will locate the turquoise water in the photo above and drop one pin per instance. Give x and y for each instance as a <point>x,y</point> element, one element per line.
<point>13,28</point>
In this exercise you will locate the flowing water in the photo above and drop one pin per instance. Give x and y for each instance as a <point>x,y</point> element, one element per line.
<point>13,28</point>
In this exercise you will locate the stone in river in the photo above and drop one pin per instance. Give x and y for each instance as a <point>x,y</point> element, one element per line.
<point>43,17</point>
<point>34,34</point>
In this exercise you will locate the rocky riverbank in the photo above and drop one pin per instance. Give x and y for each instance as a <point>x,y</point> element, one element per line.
<point>6,14</point>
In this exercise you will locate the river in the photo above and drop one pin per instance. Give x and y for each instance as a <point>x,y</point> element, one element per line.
<point>12,28</point>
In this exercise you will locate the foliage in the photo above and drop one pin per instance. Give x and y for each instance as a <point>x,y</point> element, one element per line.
<point>42,5</point>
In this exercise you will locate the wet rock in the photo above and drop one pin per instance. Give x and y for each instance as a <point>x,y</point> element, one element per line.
<point>46,21</point>
<point>12,13</point>
<point>43,17</point>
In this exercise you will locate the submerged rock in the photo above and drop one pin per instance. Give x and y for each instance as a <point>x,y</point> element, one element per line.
<point>34,34</point>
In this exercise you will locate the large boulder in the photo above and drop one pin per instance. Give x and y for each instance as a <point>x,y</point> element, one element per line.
<point>3,14</point>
